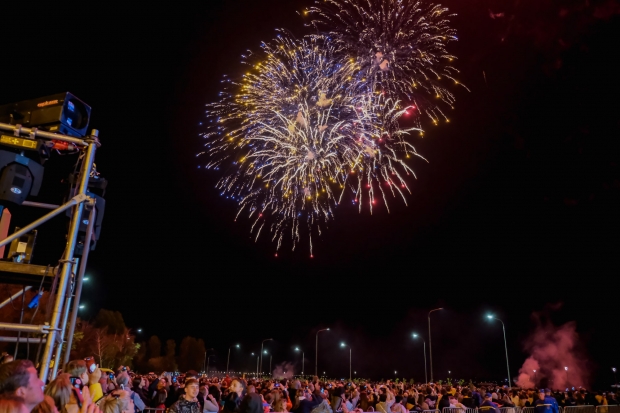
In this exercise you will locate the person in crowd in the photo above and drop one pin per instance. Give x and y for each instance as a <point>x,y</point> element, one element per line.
<point>443,400</point>
<point>59,390</point>
<point>119,401</point>
<point>488,406</point>
<point>12,404</point>
<point>454,403</point>
<point>551,400</point>
<point>541,405</point>
<point>19,378</point>
<point>383,406</point>
<point>123,382</point>
<point>159,401</point>
<point>139,388</point>
<point>232,401</point>
<point>279,401</point>
<point>78,368</point>
<point>251,403</point>
<point>305,401</point>
<point>398,406</point>
<point>212,402</point>
<point>188,402</point>
<point>46,406</point>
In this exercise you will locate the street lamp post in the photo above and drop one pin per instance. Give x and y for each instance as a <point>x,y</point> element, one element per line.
<point>566,368</point>
<point>425,372</point>
<point>303,356</point>
<point>270,371</point>
<point>430,343</point>
<point>261,352</point>
<point>534,377</point>
<point>316,349</point>
<point>208,360</point>
<point>346,345</point>
<point>615,378</point>
<point>205,360</point>
<point>228,361</point>
<point>490,317</point>
<point>257,358</point>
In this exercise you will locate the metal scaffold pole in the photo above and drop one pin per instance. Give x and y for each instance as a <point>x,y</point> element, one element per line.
<point>67,263</point>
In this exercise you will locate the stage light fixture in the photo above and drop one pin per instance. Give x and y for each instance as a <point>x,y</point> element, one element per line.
<point>19,177</point>
<point>62,113</point>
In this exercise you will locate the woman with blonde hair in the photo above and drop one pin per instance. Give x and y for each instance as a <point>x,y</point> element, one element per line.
<point>59,390</point>
<point>119,401</point>
<point>279,401</point>
<point>46,406</point>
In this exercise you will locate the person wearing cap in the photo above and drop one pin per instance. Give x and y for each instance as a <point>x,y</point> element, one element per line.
<point>555,408</point>
<point>488,406</point>
<point>542,405</point>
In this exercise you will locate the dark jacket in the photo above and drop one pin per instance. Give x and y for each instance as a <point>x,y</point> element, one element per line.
<point>231,403</point>
<point>252,403</point>
<point>306,406</point>
<point>444,402</point>
<point>143,395</point>
<point>185,406</point>
<point>489,407</point>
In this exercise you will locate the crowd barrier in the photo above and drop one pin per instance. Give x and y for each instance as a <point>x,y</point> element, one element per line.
<point>579,409</point>
<point>607,409</point>
<point>153,410</point>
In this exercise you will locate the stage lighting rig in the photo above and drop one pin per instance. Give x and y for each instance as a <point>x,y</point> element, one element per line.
<point>60,113</point>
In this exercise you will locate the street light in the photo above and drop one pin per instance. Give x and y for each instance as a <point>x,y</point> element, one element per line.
<point>302,359</point>
<point>208,360</point>
<point>346,345</point>
<point>205,361</point>
<point>82,306</point>
<point>425,372</point>
<point>430,343</point>
<point>228,360</point>
<point>261,352</point>
<point>491,317</point>
<point>139,330</point>
<point>85,278</point>
<point>316,349</point>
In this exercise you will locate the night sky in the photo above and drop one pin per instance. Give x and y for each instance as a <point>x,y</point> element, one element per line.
<point>516,211</point>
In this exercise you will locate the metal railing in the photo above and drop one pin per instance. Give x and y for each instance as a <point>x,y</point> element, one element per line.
<point>579,409</point>
<point>457,410</point>
<point>614,408</point>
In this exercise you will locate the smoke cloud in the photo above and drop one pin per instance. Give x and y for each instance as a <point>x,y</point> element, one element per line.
<point>285,370</point>
<point>552,349</point>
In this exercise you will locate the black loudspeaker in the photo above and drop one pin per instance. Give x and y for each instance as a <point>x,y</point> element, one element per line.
<point>61,113</point>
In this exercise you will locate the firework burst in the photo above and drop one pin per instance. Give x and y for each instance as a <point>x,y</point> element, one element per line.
<point>399,47</point>
<point>293,136</point>
<point>319,121</point>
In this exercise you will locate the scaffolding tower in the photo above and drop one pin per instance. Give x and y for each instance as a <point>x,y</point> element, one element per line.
<point>70,271</point>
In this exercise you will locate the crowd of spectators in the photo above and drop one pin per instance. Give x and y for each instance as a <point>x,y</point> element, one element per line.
<point>80,388</point>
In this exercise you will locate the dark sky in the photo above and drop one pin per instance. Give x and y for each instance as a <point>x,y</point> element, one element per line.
<point>518,207</point>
